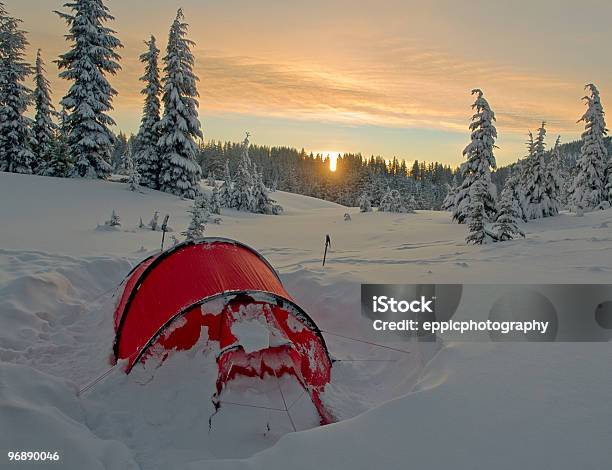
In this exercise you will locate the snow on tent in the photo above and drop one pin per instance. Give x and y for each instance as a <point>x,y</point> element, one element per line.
<point>225,290</point>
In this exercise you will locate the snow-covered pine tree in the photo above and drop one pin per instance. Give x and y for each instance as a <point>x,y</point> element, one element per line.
<point>554,181</point>
<point>225,194</point>
<point>15,135</point>
<point>215,200</point>
<point>91,58</point>
<point>513,183</point>
<point>115,220</point>
<point>478,213</point>
<point>538,200</point>
<point>392,202</point>
<point>134,175</point>
<point>203,202</point>
<point>261,201</point>
<point>588,190</point>
<point>118,153</point>
<point>179,127</point>
<point>44,129</point>
<point>365,204</point>
<point>199,218</point>
<point>409,204</point>
<point>147,155</point>
<point>480,160</point>
<point>451,193</point>
<point>210,181</point>
<point>608,187</point>
<point>386,201</point>
<point>242,194</point>
<point>59,164</point>
<point>506,225</point>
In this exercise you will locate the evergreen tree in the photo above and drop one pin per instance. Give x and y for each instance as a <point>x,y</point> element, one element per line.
<point>539,203</point>
<point>506,224</point>
<point>480,160</point>
<point>263,204</point>
<point>478,213</point>
<point>225,194</point>
<point>15,136</point>
<point>392,202</point>
<point>261,201</point>
<point>211,179</point>
<point>242,195</point>
<point>451,193</point>
<point>147,155</point>
<point>608,187</point>
<point>519,200</point>
<point>365,205</point>
<point>118,153</point>
<point>91,58</point>
<point>115,220</point>
<point>410,204</point>
<point>59,164</point>
<point>44,129</point>
<point>589,186</point>
<point>215,200</point>
<point>180,173</point>
<point>554,181</point>
<point>199,217</point>
<point>134,175</point>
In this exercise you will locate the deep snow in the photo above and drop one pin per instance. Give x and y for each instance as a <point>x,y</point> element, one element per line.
<point>464,406</point>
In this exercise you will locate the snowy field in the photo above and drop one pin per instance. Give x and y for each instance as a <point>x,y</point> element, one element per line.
<point>476,406</point>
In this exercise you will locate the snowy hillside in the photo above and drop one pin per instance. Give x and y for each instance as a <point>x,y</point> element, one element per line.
<point>60,216</point>
<point>483,406</point>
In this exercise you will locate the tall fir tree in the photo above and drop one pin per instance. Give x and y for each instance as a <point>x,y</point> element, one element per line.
<point>588,190</point>
<point>480,160</point>
<point>365,204</point>
<point>133,174</point>
<point>506,224</point>
<point>478,213</point>
<point>147,155</point>
<point>392,202</point>
<point>15,97</point>
<point>179,127</point>
<point>44,129</point>
<point>608,187</point>
<point>554,180</point>
<point>215,200</point>
<point>451,192</point>
<point>524,164</point>
<point>242,194</point>
<point>262,204</point>
<point>513,183</point>
<point>537,188</point>
<point>199,218</point>
<point>91,58</point>
<point>59,165</point>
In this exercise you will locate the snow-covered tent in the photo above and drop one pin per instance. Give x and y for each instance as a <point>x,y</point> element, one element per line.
<point>225,290</point>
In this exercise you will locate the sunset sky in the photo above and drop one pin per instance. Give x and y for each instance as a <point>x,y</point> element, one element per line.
<point>385,77</point>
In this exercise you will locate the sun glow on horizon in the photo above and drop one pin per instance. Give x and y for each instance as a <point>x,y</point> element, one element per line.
<point>333,158</point>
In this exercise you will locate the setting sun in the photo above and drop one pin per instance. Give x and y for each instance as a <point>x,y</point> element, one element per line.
<point>333,158</point>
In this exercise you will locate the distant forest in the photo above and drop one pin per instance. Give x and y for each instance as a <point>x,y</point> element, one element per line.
<point>293,170</point>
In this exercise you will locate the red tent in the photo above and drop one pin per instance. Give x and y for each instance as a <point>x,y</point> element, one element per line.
<point>219,286</point>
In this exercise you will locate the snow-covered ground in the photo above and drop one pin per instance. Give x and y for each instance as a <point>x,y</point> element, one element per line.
<point>483,406</point>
